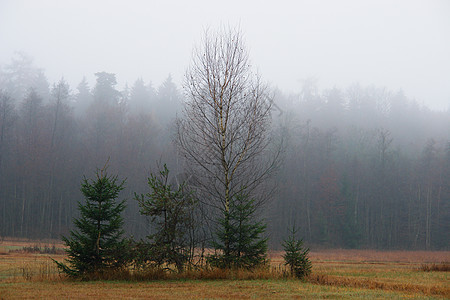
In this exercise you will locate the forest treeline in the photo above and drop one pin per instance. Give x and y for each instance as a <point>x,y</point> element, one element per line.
<point>363,167</point>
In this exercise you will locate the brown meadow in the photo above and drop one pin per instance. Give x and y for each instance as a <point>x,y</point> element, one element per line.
<point>344,274</point>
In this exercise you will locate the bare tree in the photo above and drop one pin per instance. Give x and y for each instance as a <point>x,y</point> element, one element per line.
<point>224,131</point>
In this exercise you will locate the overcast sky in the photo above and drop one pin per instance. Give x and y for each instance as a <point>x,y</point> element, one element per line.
<point>399,44</point>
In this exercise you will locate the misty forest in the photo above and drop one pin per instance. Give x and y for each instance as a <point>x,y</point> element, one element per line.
<point>360,167</point>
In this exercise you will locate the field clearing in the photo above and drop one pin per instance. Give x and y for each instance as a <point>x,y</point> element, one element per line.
<point>341,274</point>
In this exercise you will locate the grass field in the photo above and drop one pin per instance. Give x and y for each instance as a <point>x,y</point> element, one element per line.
<point>337,274</point>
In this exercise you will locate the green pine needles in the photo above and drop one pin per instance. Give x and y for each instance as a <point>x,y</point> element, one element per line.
<point>97,245</point>
<point>171,213</point>
<point>240,237</point>
<point>296,256</point>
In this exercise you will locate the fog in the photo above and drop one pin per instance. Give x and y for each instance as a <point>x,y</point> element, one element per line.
<point>361,111</point>
<point>401,45</point>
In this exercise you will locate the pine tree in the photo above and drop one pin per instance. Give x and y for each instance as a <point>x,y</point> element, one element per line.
<point>296,256</point>
<point>171,213</point>
<point>240,240</point>
<point>97,245</point>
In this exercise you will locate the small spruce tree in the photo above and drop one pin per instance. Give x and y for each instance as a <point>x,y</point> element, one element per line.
<point>97,245</point>
<point>239,237</point>
<point>296,256</point>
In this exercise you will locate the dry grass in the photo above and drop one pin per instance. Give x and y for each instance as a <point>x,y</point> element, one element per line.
<point>381,270</point>
<point>442,267</point>
<point>336,274</point>
<point>368,283</point>
<point>204,289</point>
<point>378,256</point>
<point>25,266</point>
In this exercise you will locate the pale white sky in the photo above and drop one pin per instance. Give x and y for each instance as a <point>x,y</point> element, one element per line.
<point>400,44</point>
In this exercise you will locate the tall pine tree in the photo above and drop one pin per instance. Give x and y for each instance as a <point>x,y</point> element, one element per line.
<point>97,245</point>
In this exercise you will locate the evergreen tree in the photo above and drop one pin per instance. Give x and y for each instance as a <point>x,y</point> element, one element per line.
<point>83,98</point>
<point>240,240</point>
<point>105,88</point>
<point>97,246</point>
<point>171,212</point>
<point>296,256</point>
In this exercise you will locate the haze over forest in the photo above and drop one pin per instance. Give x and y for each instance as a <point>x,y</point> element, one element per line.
<point>399,45</point>
<point>361,103</point>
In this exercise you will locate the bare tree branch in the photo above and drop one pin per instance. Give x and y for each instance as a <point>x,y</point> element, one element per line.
<point>224,131</point>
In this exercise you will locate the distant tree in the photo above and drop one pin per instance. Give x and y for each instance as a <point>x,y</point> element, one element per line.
<point>20,75</point>
<point>83,98</point>
<point>169,100</point>
<point>60,109</point>
<point>61,141</point>
<point>104,90</point>
<point>296,256</point>
<point>333,109</point>
<point>105,120</point>
<point>330,207</point>
<point>170,211</point>
<point>443,225</point>
<point>97,246</point>
<point>311,100</point>
<point>429,180</point>
<point>7,118</point>
<point>240,238</point>
<point>168,91</point>
<point>7,122</point>
<point>350,231</point>
<point>382,184</point>
<point>140,98</point>
<point>31,151</point>
<point>42,85</point>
